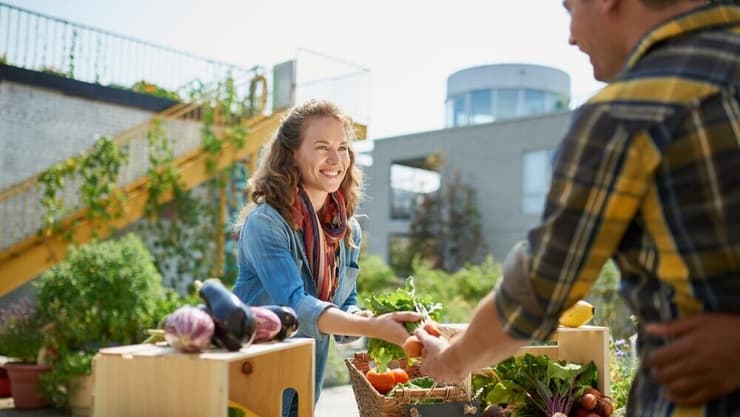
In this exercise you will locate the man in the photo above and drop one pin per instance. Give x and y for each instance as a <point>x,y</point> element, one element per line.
<point>648,174</point>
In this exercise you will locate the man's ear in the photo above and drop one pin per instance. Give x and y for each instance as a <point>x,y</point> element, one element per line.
<point>611,5</point>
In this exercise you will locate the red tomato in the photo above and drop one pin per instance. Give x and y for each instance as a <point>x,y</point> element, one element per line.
<point>381,381</point>
<point>400,375</point>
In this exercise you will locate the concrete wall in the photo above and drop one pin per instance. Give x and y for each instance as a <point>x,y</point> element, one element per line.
<point>39,127</point>
<point>488,157</point>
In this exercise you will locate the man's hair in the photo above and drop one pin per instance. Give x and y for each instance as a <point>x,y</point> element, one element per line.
<point>661,4</point>
<point>277,176</point>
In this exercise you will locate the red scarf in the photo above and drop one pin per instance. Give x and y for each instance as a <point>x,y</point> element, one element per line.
<point>322,261</point>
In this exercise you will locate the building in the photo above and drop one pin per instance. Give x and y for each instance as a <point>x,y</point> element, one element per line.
<point>491,93</point>
<point>504,123</point>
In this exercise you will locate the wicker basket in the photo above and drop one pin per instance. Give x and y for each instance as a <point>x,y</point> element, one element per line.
<point>370,403</point>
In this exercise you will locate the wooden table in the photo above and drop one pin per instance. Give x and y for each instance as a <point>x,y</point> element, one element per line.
<point>148,380</point>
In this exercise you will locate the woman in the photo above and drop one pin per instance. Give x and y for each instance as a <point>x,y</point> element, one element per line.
<point>299,243</point>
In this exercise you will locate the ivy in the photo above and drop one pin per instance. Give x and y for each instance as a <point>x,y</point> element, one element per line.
<point>162,175</point>
<point>97,172</point>
<point>183,233</point>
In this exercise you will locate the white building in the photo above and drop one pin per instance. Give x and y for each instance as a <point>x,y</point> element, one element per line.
<point>503,125</point>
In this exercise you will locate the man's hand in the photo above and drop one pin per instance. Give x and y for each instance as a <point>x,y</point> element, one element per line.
<point>437,361</point>
<point>701,363</point>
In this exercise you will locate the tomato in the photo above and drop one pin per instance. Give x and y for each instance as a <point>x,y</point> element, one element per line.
<point>413,347</point>
<point>400,375</point>
<point>381,381</point>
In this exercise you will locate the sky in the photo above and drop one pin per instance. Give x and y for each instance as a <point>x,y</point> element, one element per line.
<point>409,47</point>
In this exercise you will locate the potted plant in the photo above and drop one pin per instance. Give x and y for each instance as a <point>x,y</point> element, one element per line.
<point>4,382</point>
<point>21,340</point>
<point>118,294</point>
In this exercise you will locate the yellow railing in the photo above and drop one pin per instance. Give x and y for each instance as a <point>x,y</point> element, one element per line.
<point>24,252</point>
<point>20,204</point>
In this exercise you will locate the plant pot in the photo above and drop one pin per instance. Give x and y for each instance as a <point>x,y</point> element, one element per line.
<point>4,383</point>
<point>24,381</point>
<point>80,396</point>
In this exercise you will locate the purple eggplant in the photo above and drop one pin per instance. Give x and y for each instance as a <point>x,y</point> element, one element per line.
<point>235,324</point>
<point>288,320</point>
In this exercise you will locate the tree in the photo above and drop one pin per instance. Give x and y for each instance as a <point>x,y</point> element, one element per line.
<point>445,227</point>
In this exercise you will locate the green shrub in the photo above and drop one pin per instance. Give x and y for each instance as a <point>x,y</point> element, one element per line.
<point>21,336</point>
<point>611,309</point>
<point>376,277</point>
<point>623,366</point>
<point>104,294</point>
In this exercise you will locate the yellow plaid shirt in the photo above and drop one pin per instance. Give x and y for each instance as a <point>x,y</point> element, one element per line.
<point>649,175</point>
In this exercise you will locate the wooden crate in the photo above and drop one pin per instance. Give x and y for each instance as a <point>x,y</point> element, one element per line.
<point>580,345</point>
<point>148,380</point>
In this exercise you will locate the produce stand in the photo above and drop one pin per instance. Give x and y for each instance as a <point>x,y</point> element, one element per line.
<point>151,380</point>
<point>579,344</point>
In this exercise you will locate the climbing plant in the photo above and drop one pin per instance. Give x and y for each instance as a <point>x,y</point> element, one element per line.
<point>182,233</point>
<point>96,172</point>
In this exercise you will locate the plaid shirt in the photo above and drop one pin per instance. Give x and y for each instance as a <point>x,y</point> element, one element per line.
<point>649,175</point>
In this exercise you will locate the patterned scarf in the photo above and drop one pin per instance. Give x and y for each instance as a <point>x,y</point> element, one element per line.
<point>322,261</point>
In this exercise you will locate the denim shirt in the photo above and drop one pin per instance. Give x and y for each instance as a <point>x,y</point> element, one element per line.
<point>273,269</point>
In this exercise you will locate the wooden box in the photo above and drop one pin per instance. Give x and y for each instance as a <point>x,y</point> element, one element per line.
<point>155,381</point>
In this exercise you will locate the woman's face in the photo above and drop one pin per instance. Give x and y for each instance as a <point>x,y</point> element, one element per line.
<point>323,158</point>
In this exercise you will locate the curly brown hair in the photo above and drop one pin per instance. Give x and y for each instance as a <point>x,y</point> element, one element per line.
<point>277,177</point>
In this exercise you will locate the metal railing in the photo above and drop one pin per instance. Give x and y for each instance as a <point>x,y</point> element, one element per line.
<point>44,43</point>
<point>344,83</point>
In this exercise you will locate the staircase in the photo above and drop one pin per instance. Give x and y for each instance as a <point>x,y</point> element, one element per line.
<point>27,251</point>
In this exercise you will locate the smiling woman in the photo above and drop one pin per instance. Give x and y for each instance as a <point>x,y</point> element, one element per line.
<point>323,158</point>
<point>299,242</point>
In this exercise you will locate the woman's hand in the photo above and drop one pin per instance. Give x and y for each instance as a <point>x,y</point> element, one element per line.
<point>363,313</point>
<point>389,326</point>
<point>701,362</point>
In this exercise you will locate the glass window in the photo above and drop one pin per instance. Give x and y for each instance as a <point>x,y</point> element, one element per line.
<point>450,113</point>
<point>537,171</point>
<point>481,107</point>
<point>507,103</point>
<point>406,184</point>
<point>461,113</point>
<point>534,102</point>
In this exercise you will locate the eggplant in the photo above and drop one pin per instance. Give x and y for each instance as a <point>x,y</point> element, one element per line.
<point>235,324</point>
<point>189,329</point>
<point>268,324</point>
<point>288,321</point>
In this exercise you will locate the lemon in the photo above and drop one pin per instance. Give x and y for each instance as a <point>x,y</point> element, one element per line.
<point>237,410</point>
<point>579,314</point>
